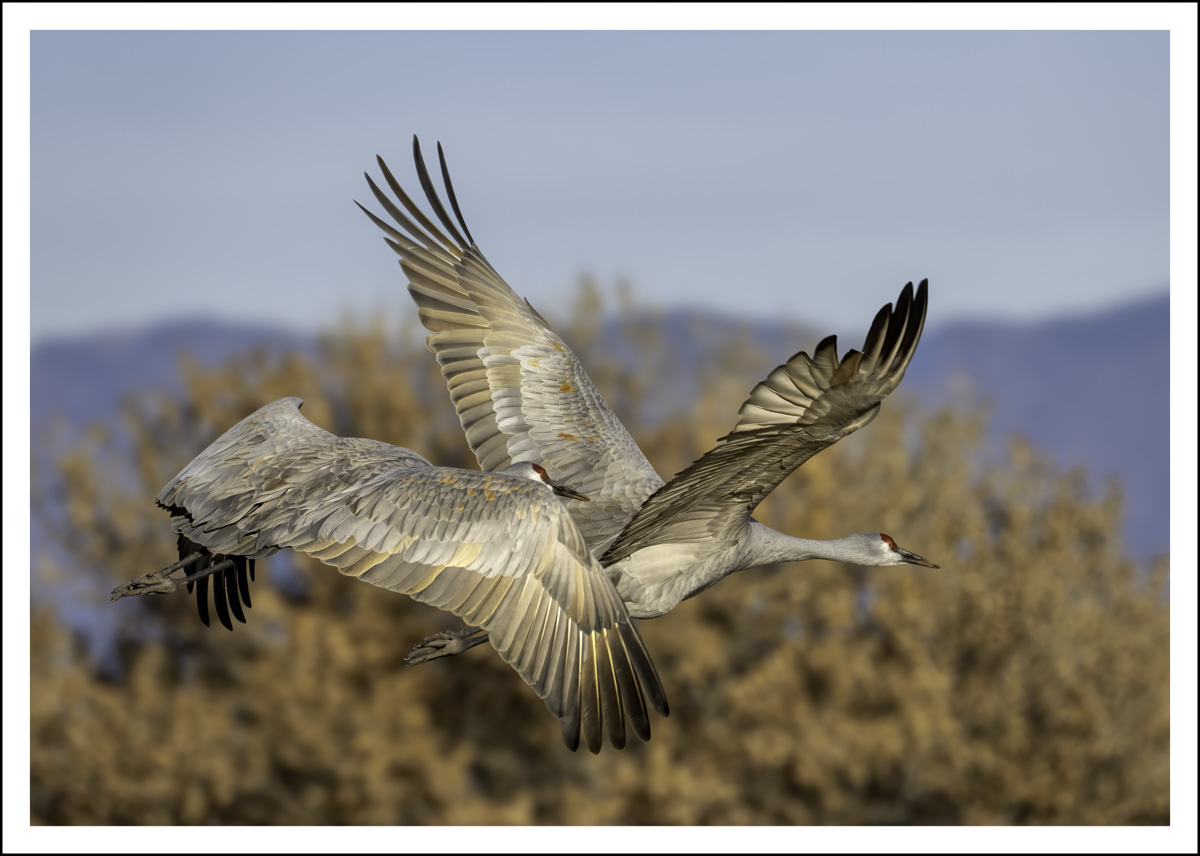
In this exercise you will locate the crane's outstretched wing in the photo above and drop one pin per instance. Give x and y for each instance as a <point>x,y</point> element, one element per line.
<point>803,406</point>
<point>520,393</point>
<point>495,549</point>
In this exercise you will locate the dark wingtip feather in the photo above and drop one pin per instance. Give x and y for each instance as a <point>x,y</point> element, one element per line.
<point>896,327</point>
<point>243,583</point>
<point>202,600</point>
<point>878,326</point>
<point>231,590</point>
<point>630,689</point>
<point>589,700</point>
<point>913,329</point>
<point>610,693</point>
<point>415,232</point>
<point>431,194</point>
<point>185,548</point>
<point>570,733</point>
<point>450,193</point>
<point>644,667</point>
<point>922,299</point>
<point>219,601</point>
<point>418,226</point>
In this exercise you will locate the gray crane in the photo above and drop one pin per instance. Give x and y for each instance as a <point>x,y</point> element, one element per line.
<point>573,564</point>
<point>496,549</point>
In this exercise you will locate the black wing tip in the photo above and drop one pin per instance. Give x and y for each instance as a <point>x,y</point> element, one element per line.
<point>244,583</point>
<point>891,322</point>
<point>202,600</point>
<point>432,196</point>
<point>450,193</point>
<point>219,601</point>
<point>570,734</point>
<point>922,298</point>
<point>418,157</point>
<point>657,696</point>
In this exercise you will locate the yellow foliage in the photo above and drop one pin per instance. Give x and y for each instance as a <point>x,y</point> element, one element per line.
<point>1027,681</point>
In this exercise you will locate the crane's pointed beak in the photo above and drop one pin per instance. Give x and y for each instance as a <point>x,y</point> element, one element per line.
<point>913,559</point>
<point>563,490</point>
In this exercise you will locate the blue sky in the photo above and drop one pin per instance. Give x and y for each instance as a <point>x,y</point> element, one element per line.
<point>801,175</point>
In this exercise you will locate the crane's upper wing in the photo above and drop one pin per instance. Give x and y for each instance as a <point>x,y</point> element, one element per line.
<point>520,393</point>
<point>802,407</point>
<point>496,549</point>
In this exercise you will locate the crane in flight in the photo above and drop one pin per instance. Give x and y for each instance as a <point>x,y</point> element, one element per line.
<point>566,532</point>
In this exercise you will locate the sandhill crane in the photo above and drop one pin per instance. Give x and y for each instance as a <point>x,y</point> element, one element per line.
<point>620,543</point>
<point>497,549</point>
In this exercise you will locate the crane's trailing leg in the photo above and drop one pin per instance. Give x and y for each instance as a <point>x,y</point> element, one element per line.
<point>445,644</point>
<point>231,585</point>
<point>161,582</point>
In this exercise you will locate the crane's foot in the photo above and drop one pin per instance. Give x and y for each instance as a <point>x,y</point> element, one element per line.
<point>445,644</point>
<point>161,582</point>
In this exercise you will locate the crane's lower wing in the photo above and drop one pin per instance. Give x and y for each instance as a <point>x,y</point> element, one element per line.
<point>495,549</point>
<point>520,393</point>
<point>803,406</point>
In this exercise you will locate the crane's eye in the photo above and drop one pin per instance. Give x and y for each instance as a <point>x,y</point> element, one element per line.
<point>887,539</point>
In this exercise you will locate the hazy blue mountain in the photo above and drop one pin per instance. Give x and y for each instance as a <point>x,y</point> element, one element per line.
<point>1090,390</point>
<point>82,379</point>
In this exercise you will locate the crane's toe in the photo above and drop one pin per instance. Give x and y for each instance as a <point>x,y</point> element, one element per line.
<point>445,644</point>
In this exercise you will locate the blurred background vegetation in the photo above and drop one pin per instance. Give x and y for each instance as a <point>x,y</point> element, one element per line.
<point>1026,682</point>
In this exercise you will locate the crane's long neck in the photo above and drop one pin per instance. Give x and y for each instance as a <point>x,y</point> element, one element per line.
<point>765,546</point>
